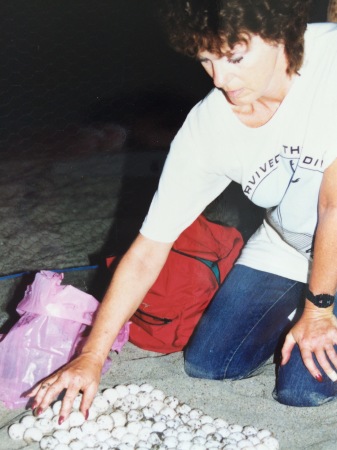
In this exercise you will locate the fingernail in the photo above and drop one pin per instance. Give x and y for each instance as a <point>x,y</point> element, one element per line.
<point>61,420</point>
<point>86,415</point>
<point>39,411</point>
<point>34,405</point>
<point>319,378</point>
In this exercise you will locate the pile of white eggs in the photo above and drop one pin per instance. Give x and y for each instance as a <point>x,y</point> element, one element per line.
<point>137,417</point>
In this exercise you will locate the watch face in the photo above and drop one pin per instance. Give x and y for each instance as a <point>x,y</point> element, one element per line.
<point>323,300</point>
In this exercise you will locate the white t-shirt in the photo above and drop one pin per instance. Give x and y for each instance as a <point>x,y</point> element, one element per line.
<point>279,165</point>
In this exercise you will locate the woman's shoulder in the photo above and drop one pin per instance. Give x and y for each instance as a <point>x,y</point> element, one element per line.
<point>211,112</point>
<point>321,34</point>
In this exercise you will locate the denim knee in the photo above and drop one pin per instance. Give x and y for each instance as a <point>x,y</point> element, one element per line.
<point>213,372</point>
<point>295,385</point>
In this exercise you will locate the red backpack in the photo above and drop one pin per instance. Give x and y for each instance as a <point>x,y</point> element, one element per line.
<point>197,264</point>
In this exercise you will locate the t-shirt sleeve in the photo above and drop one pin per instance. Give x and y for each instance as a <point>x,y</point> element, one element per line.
<point>189,181</point>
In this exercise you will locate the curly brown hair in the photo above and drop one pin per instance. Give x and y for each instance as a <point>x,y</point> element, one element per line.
<point>198,25</point>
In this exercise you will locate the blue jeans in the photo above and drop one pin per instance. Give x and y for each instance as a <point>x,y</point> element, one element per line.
<point>245,325</point>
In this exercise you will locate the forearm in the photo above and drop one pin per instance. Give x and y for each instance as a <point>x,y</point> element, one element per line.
<point>134,276</point>
<point>323,277</point>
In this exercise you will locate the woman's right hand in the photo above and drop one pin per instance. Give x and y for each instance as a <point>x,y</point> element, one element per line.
<point>81,374</point>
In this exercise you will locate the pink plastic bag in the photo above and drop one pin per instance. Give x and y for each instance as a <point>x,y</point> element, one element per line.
<point>52,327</point>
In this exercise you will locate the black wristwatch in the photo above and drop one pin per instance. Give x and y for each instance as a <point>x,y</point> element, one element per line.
<point>320,300</point>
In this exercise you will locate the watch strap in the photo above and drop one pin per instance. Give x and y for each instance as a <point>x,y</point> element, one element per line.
<point>320,300</point>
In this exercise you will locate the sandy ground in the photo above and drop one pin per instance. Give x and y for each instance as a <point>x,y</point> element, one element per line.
<point>61,213</point>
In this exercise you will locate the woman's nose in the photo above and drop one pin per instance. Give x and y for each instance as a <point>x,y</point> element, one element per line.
<point>221,75</point>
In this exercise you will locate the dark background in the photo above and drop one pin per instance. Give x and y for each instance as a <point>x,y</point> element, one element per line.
<point>80,61</point>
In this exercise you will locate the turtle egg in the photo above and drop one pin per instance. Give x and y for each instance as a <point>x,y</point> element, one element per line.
<point>105,422</point>
<point>184,445</point>
<point>146,387</point>
<point>134,415</point>
<point>101,404</point>
<point>32,435</point>
<point>63,436</point>
<point>134,427</point>
<point>185,418</point>
<point>183,429</point>
<point>160,418</point>
<point>63,426</point>
<point>167,411</point>
<point>200,440</point>
<point>263,434</point>
<point>112,442</point>
<point>195,424</point>
<point>102,435</point>
<point>90,440</point>
<point>213,444</point>
<point>61,447</point>
<point>28,421</point>
<point>208,428</point>
<point>215,437</point>
<point>142,445</point>
<point>271,443</point>
<point>76,433</point>
<point>237,436</point>
<point>77,402</point>
<point>132,401</point>
<point>154,439</point>
<point>119,418</point>
<point>159,427</point>
<point>200,432</point>
<point>118,432</point>
<point>48,443</point>
<point>249,431</point>
<point>246,445</point>
<point>122,390</point>
<point>93,413</point>
<point>111,395</point>
<point>57,407</point>
<point>144,433</point>
<point>224,432</point>
<point>174,423</point>
<point>46,414</point>
<point>149,412</point>
<point>102,446</point>
<point>171,401</point>
<point>171,442</point>
<point>130,439</point>
<point>16,431</point>
<point>45,425</point>
<point>76,445</point>
<point>195,413</point>
<point>121,404</point>
<point>220,423</point>
<point>133,388</point>
<point>76,419</point>
<point>183,408</point>
<point>206,419</point>
<point>157,405</point>
<point>144,399</point>
<point>170,432</point>
<point>235,428</point>
<point>157,394</point>
<point>185,436</point>
<point>89,427</point>
<point>253,439</point>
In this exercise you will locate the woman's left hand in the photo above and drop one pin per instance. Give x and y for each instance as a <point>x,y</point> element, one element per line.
<point>316,334</point>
